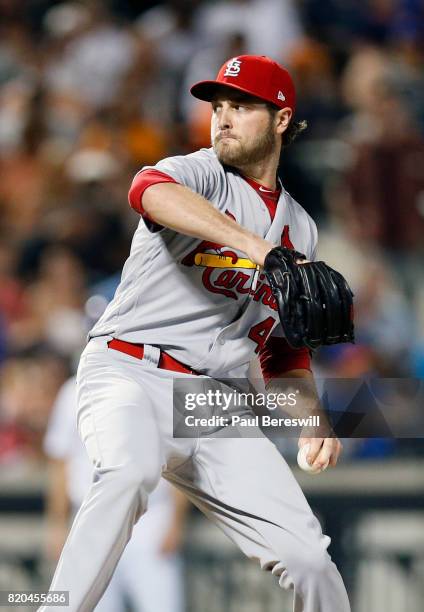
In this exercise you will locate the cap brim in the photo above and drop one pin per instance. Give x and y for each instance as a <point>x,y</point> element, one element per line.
<point>205,90</point>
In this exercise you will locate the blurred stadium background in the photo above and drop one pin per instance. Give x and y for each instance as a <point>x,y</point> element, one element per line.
<point>91,91</point>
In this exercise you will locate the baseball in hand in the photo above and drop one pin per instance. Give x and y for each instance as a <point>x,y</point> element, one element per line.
<point>304,465</point>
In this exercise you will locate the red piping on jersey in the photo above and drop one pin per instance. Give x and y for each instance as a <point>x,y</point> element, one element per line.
<point>269,196</point>
<point>277,357</point>
<point>143,180</point>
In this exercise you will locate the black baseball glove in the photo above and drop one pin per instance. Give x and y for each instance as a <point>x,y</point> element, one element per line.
<point>314,301</point>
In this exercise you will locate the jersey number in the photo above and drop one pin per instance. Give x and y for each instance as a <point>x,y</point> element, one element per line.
<point>259,332</point>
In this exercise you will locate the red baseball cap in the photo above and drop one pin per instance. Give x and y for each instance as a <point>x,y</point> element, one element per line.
<point>257,75</point>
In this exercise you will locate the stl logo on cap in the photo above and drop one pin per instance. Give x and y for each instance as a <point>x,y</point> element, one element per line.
<point>256,75</point>
<point>233,68</point>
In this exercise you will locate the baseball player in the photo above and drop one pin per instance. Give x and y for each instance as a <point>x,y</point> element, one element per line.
<point>193,301</point>
<point>149,573</point>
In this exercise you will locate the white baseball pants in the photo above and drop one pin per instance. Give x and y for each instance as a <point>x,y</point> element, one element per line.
<point>125,419</point>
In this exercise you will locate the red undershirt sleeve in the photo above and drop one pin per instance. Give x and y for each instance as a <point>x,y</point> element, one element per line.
<point>141,181</point>
<point>277,357</point>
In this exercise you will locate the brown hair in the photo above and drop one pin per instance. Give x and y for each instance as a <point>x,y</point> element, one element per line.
<point>293,129</point>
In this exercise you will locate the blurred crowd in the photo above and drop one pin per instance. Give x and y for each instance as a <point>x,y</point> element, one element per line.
<point>91,91</point>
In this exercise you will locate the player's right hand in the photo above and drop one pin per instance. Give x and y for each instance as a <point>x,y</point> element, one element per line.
<point>257,250</point>
<point>323,451</point>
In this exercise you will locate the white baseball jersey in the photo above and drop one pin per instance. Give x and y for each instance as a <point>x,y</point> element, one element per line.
<point>205,304</point>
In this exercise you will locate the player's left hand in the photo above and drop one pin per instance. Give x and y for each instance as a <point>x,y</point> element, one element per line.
<point>323,451</point>
<point>315,302</point>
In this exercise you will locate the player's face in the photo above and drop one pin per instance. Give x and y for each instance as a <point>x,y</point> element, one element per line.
<point>242,129</point>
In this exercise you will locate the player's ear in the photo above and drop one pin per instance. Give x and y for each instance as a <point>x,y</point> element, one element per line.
<point>283,117</point>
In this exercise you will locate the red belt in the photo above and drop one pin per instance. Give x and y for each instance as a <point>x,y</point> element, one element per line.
<point>166,362</point>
